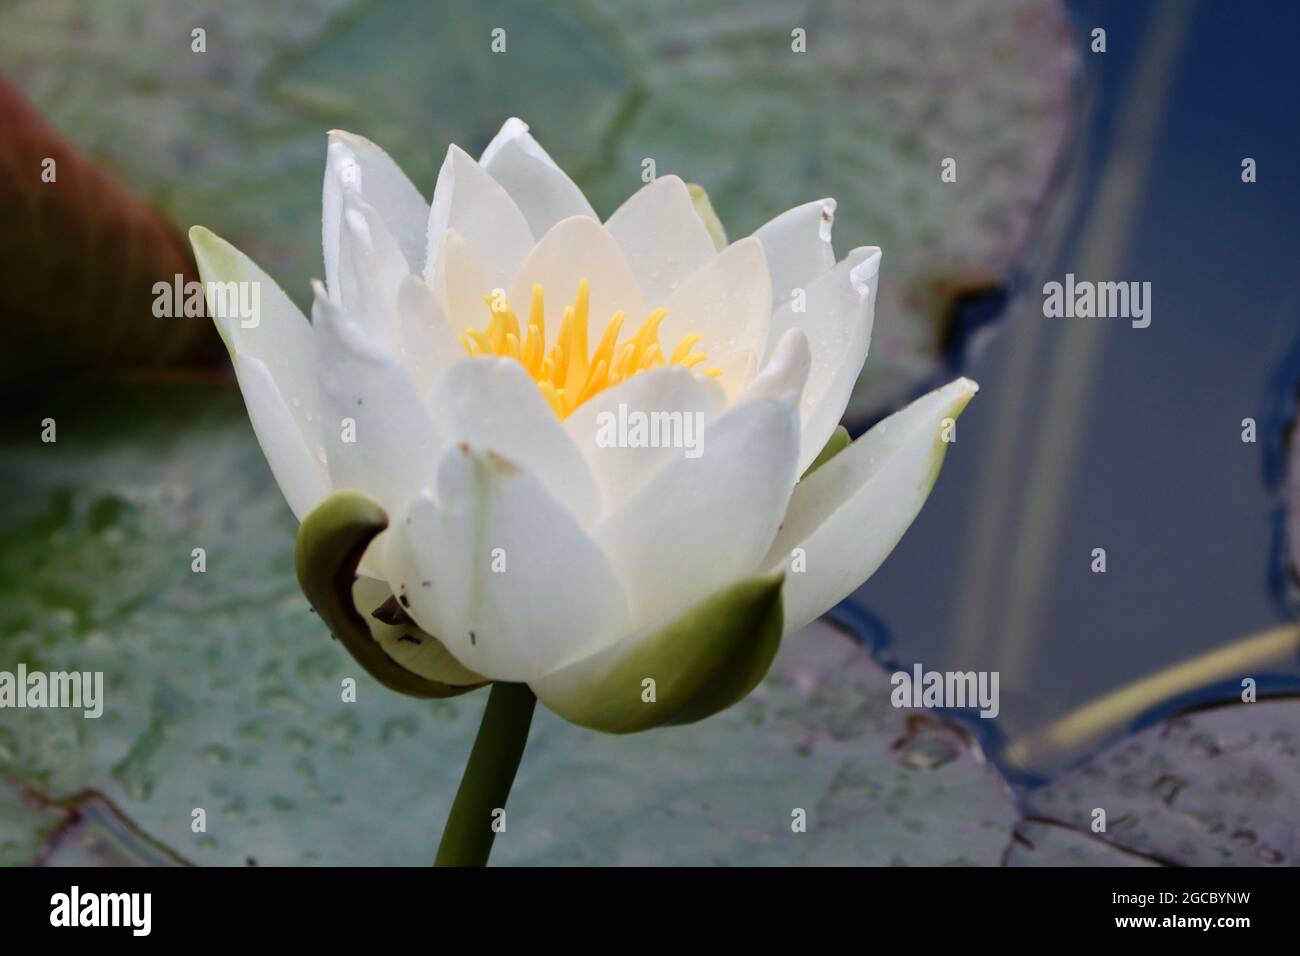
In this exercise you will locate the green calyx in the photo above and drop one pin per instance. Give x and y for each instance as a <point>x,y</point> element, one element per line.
<point>331,542</point>
<point>701,663</point>
<point>839,440</point>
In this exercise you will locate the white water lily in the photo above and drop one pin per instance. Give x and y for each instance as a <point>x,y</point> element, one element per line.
<point>458,362</point>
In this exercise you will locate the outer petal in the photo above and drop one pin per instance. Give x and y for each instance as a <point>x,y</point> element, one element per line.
<point>848,514</point>
<point>575,249</point>
<point>276,333</point>
<point>838,315</point>
<point>798,247</point>
<point>544,192</point>
<point>622,470</point>
<point>379,437</point>
<point>353,163</point>
<point>728,303</point>
<point>278,376</point>
<point>703,662</point>
<point>662,236</point>
<point>501,573</point>
<point>296,466</point>
<point>705,522</point>
<point>470,201</point>
<point>494,405</point>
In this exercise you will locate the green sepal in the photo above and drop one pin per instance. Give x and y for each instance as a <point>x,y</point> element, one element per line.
<point>704,209</point>
<point>704,661</point>
<point>331,542</point>
<point>839,440</point>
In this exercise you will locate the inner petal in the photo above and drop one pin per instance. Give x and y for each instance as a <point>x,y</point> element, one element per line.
<point>570,372</point>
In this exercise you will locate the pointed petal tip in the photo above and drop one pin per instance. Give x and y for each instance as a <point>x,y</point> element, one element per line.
<point>513,127</point>
<point>456,154</point>
<point>964,390</point>
<point>827,220</point>
<point>347,138</point>
<point>860,276</point>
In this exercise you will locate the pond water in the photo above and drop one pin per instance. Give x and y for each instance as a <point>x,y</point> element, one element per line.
<point>1090,433</point>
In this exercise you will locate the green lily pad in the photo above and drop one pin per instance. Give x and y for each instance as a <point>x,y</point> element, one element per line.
<point>233,138</point>
<point>1216,787</point>
<point>223,692</point>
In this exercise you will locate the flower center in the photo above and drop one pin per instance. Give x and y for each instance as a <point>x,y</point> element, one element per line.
<point>570,373</point>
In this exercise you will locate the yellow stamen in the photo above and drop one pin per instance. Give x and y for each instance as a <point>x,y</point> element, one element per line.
<point>570,373</point>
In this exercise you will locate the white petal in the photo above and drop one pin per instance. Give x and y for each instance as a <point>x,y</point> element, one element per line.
<point>544,193</point>
<point>798,246</point>
<point>297,469</point>
<point>663,237</point>
<point>703,523</point>
<point>463,282</point>
<point>273,331</point>
<point>575,249</point>
<point>848,514</point>
<point>840,309</point>
<point>493,405</point>
<point>787,369</point>
<point>353,163</point>
<point>501,574</point>
<point>728,303</point>
<point>621,469</point>
<point>427,344</point>
<point>371,269</point>
<point>368,397</point>
<point>470,201</point>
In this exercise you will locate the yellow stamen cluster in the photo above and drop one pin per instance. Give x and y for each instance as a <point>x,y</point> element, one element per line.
<point>570,373</point>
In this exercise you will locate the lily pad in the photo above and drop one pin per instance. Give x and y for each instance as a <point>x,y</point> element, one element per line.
<point>224,693</point>
<point>1215,787</point>
<point>27,824</point>
<point>878,786</point>
<point>233,137</point>
<point>1041,843</point>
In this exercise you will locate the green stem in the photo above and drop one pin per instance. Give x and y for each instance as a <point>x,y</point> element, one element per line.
<point>498,748</point>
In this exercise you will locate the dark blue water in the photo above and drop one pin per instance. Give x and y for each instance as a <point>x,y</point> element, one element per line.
<point>1122,438</point>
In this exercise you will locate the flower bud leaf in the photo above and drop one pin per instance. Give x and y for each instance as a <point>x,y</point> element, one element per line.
<point>700,663</point>
<point>331,542</point>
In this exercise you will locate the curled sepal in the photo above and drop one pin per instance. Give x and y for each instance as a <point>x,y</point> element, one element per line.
<point>699,664</point>
<point>331,541</point>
